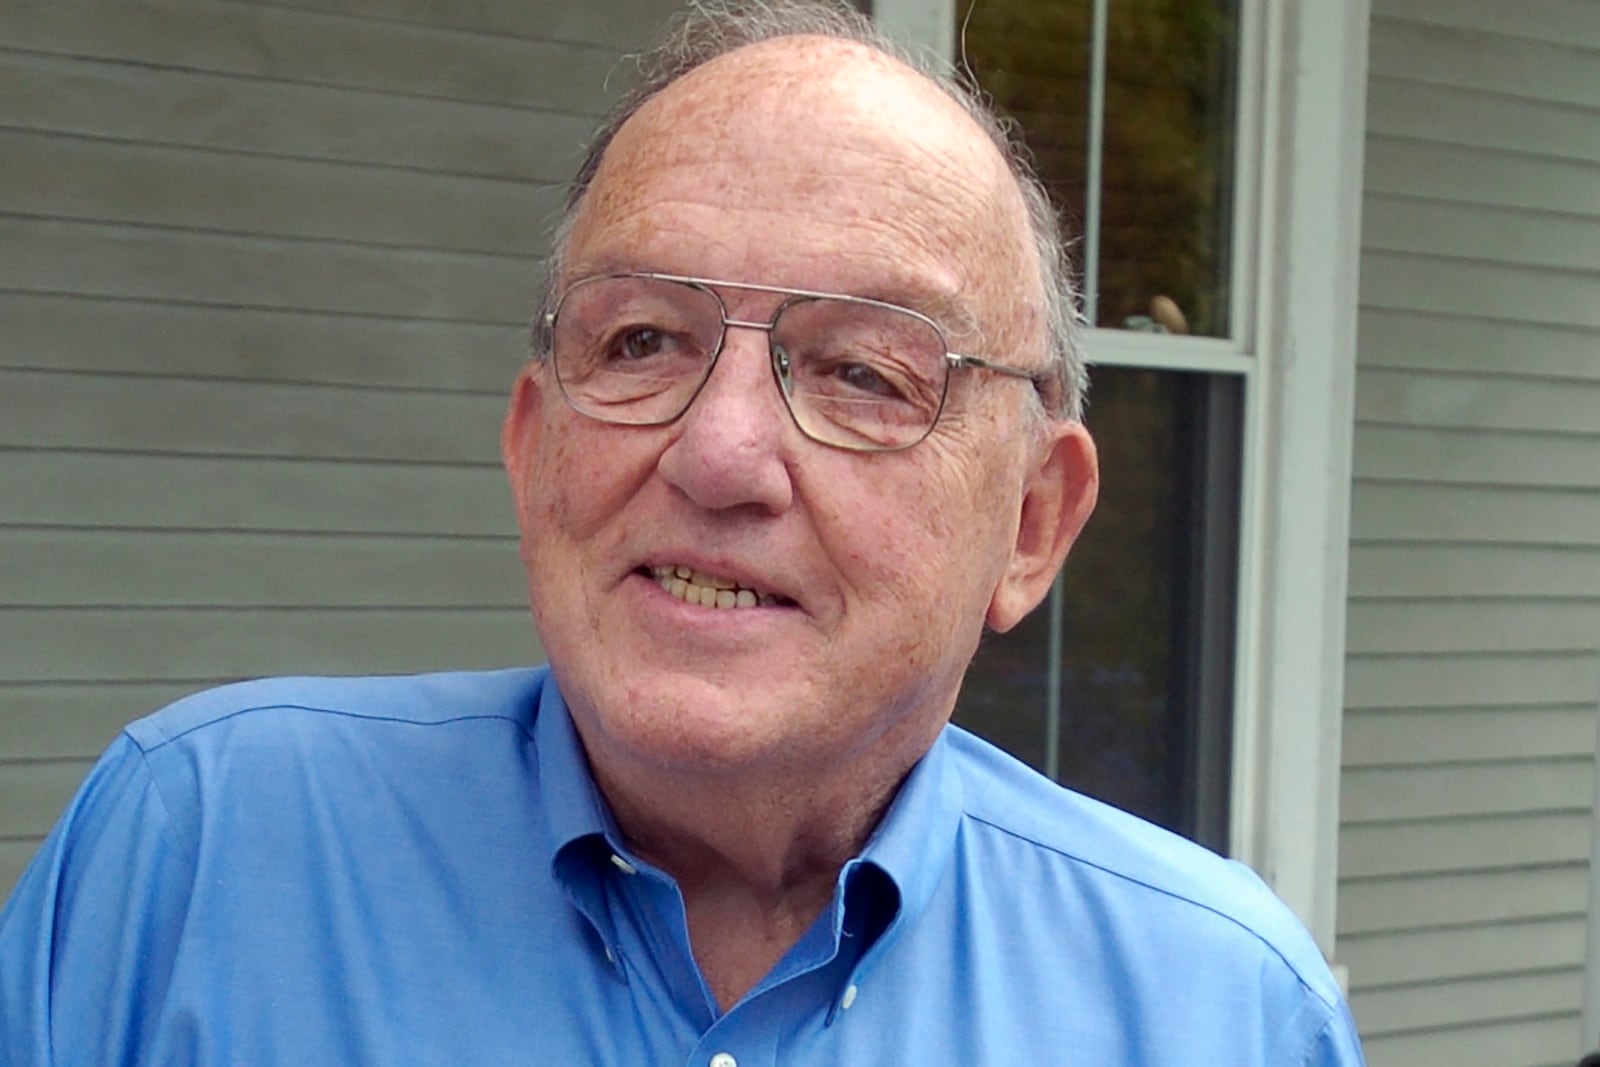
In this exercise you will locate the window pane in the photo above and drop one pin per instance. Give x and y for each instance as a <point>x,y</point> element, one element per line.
<point>1165,219</point>
<point>1147,649</point>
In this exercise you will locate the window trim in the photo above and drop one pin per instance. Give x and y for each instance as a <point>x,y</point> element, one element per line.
<point>1295,557</point>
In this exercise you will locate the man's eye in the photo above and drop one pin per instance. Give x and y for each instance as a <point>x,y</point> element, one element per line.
<point>640,342</point>
<point>864,378</point>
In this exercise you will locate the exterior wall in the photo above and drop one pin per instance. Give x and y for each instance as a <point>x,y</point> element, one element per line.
<point>1473,664</point>
<point>263,278</point>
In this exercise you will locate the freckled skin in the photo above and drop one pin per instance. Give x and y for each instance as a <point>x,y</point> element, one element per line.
<point>764,747</point>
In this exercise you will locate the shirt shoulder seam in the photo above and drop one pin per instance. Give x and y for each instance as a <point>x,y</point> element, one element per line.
<point>167,739</point>
<point>169,825</point>
<point>1328,1005</point>
<point>1330,1016</point>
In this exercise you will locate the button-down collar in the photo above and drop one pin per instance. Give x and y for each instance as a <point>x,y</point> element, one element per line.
<point>876,896</point>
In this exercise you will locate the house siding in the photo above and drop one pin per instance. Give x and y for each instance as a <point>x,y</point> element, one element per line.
<point>1473,649</point>
<point>264,278</point>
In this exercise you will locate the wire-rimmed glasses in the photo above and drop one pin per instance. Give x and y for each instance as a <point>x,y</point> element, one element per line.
<point>855,373</point>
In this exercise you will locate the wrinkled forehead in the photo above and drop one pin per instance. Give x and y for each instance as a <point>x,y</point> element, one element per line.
<point>880,171</point>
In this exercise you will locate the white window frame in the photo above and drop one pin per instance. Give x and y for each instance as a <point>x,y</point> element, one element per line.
<point>1296,244</point>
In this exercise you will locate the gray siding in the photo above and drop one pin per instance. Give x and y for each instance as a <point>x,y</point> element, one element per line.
<point>264,273</point>
<point>1474,623</point>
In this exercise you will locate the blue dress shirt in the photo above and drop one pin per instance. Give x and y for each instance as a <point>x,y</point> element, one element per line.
<point>421,871</point>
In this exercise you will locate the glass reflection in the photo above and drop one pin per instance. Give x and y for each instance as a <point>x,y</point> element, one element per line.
<point>1165,210</point>
<point>1149,613</point>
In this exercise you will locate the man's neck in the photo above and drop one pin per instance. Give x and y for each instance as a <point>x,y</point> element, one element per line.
<point>755,860</point>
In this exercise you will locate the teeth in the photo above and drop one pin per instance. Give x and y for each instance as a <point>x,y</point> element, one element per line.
<point>708,590</point>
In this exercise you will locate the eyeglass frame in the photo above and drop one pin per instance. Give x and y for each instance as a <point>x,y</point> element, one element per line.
<point>953,361</point>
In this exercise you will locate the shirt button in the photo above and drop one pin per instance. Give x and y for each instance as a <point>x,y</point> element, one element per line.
<point>627,868</point>
<point>849,997</point>
<point>722,1059</point>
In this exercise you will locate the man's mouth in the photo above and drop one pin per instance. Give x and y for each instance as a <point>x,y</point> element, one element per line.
<point>712,590</point>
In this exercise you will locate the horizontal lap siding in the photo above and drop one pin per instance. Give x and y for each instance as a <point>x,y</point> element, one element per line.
<point>266,274</point>
<point>1474,623</point>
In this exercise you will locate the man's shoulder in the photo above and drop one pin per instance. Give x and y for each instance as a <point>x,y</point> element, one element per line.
<point>1155,877</point>
<point>267,761</point>
<point>287,705</point>
<point>1000,791</point>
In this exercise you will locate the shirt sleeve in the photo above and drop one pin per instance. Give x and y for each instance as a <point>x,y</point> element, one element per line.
<point>1336,1044</point>
<point>88,938</point>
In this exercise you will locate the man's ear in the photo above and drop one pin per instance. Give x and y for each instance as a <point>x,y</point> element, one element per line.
<point>519,435</point>
<point>1056,502</point>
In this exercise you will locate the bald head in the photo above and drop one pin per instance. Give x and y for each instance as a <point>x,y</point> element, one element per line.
<point>901,193</point>
<point>728,73</point>
<point>874,99</point>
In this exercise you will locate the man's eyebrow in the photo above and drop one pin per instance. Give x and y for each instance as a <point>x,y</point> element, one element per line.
<point>954,311</point>
<point>589,268</point>
<point>955,315</point>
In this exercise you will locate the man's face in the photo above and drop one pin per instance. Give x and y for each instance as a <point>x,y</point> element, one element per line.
<point>806,165</point>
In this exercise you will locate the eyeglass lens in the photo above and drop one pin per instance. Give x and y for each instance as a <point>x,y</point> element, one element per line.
<point>855,374</point>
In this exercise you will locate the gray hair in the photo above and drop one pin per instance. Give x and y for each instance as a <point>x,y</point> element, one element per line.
<point>709,29</point>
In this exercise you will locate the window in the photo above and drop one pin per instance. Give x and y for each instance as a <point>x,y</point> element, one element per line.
<point>1274,136</point>
<point>1128,108</point>
<point>1123,687</point>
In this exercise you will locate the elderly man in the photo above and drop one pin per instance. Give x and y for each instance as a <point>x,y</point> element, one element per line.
<point>802,421</point>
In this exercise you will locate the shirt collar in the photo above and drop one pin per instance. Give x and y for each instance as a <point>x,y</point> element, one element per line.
<point>915,841</point>
<point>572,803</point>
<point>910,849</point>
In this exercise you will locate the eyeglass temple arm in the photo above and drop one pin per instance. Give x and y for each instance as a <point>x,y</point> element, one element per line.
<point>1041,380</point>
<point>980,363</point>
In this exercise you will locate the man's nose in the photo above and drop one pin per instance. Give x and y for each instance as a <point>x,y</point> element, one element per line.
<point>735,443</point>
